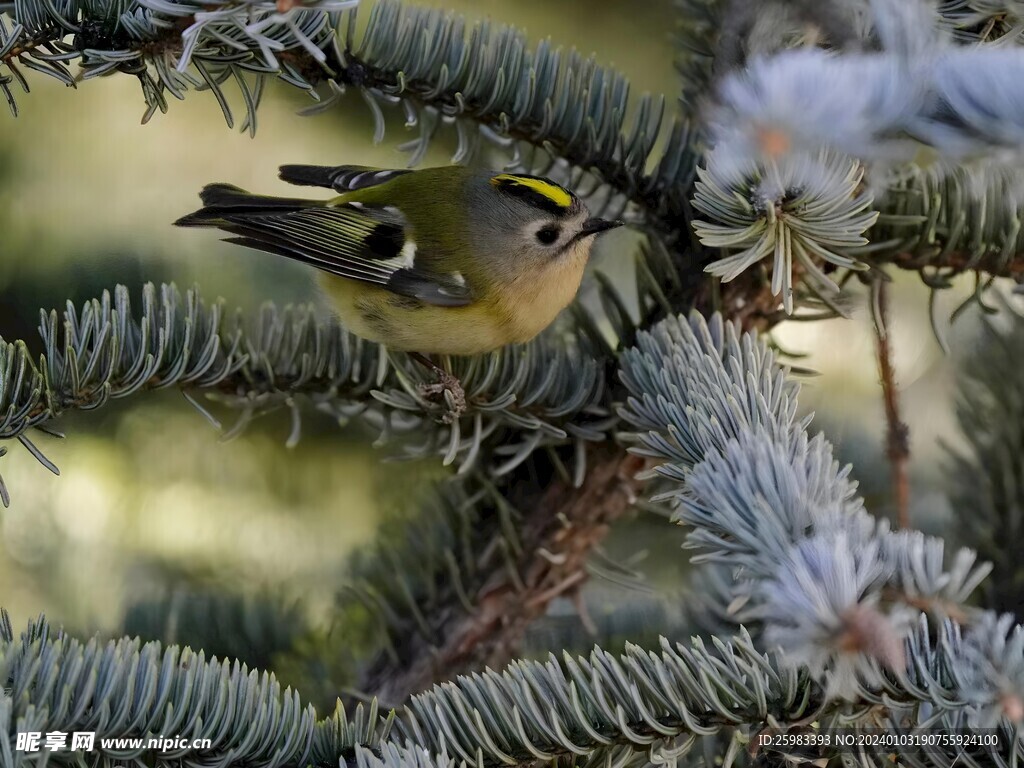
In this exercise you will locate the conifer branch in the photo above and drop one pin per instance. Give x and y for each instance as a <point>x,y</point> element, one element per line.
<point>548,393</point>
<point>757,490</point>
<point>986,474</point>
<point>925,117</point>
<point>569,106</point>
<point>640,704</point>
<point>493,574</point>
<point>716,406</point>
<point>654,701</point>
<point>493,86</point>
<point>849,609</point>
<point>984,21</point>
<point>128,689</point>
<point>573,108</point>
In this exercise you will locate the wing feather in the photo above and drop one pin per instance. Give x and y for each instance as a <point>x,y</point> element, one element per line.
<point>342,178</point>
<point>366,244</point>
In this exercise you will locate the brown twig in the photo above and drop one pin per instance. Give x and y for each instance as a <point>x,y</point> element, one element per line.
<point>561,527</point>
<point>897,434</point>
<point>42,39</point>
<point>991,262</point>
<point>937,606</point>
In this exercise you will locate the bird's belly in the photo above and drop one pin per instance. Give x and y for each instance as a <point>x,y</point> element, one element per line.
<point>408,325</point>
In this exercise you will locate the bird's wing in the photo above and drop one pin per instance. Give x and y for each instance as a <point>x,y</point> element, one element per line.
<point>369,244</point>
<point>342,178</point>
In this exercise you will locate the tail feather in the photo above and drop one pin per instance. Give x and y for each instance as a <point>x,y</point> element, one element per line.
<point>221,199</point>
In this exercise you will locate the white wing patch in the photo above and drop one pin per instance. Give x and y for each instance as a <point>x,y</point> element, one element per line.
<point>405,259</point>
<point>458,279</point>
<point>408,255</point>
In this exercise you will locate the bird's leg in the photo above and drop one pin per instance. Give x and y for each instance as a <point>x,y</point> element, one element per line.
<point>445,383</point>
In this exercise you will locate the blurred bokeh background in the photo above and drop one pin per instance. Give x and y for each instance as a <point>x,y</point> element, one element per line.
<point>150,499</point>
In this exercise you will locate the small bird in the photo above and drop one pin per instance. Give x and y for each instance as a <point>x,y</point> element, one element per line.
<point>449,260</point>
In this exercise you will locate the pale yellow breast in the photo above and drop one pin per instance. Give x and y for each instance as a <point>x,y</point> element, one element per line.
<point>532,301</point>
<point>408,326</point>
<point>515,314</point>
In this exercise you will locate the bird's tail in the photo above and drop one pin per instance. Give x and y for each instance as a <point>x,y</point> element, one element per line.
<point>222,199</point>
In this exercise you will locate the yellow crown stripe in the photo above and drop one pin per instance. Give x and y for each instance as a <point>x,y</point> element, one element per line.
<point>552,192</point>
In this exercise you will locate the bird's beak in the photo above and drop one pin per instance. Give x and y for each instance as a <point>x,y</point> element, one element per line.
<point>593,226</point>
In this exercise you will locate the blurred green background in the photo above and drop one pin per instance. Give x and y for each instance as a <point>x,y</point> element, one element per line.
<point>149,498</point>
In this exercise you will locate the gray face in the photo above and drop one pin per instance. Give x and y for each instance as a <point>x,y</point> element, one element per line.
<point>524,232</point>
<point>541,237</point>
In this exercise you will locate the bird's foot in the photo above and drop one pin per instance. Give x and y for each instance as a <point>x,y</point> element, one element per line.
<point>447,389</point>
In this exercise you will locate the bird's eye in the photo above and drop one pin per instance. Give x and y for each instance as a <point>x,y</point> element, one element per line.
<point>547,235</point>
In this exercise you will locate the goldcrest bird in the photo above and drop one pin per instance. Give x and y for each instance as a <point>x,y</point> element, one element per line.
<point>449,260</point>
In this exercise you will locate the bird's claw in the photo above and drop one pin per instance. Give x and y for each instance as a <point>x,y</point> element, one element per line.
<point>448,389</point>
